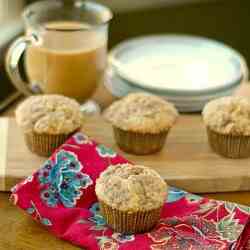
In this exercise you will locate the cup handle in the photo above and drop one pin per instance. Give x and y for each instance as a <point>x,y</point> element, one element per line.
<point>12,59</point>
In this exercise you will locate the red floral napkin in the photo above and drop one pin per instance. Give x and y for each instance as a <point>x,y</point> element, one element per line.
<point>61,196</point>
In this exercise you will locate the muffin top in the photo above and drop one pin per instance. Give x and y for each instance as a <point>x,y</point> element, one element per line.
<point>49,114</point>
<point>143,113</point>
<point>131,188</point>
<point>228,115</point>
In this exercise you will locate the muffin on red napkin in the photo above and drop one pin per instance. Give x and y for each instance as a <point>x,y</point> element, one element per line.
<point>131,197</point>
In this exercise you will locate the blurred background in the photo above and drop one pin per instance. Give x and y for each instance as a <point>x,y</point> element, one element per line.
<point>224,20</point>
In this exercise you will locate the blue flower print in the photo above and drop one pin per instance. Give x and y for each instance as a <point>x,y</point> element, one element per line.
<point>100,225</point>
<point>80,139</point>
<point>98,220</point>
<point>175,194</point>
<point>97,217</point>
<point>103,151</point>
<point>95,208</point>
<point>122,238</point>
<point>32,210</point>
<point>63,180</point>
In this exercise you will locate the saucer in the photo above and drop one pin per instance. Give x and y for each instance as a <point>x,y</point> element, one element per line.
<point>119,88</point>
<point>177,64</point>
<point>187,70</point>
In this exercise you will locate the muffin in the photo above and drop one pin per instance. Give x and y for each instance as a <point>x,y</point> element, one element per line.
<point>47,121</point>
<point>228,126</point>
<point>131,197</point>
<point>141,122</point>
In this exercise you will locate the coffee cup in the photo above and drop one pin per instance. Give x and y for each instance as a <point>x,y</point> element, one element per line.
<point>64,47</point>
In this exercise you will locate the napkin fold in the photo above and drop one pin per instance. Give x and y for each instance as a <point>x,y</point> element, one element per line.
<point>61,196</point>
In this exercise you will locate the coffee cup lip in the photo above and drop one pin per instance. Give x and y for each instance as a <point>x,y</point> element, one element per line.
<point>100,12</point>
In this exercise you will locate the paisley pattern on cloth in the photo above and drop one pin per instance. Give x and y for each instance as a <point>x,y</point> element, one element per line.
<point>61,196</point>
<point>62,180</point>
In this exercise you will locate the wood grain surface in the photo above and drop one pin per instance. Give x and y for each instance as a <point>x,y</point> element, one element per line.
<point>19,232</point>
<point>185,162</point>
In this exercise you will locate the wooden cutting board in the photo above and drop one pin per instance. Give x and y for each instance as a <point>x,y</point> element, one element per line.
<point>186,160</point>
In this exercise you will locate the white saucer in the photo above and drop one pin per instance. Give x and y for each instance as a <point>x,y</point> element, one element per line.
<point>177,64</point>
<point>119,88</point>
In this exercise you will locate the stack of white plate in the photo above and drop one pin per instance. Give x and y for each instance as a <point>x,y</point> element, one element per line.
<point>188,71</point>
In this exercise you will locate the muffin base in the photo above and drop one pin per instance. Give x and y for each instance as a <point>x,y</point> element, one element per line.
<point>138,143</point>
<point>43,144</point>
<point>230,146</point>
<point>130,222</point>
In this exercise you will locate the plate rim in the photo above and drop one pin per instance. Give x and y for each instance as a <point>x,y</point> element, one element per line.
<point>111,75</point>
<point>123,45</point>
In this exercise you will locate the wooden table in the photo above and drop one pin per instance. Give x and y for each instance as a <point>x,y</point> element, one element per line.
<point>19,232</point>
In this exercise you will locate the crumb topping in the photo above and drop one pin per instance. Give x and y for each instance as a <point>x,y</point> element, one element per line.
<point>228,115</point>
<point>131,188</point>
<point>50,114</point>
<point>143,113</point>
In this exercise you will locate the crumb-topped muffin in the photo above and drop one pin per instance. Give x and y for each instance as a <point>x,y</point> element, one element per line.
<point>228,125</point>
<point>131,197</point>
<point>141,122</point>
<point>47,121</point>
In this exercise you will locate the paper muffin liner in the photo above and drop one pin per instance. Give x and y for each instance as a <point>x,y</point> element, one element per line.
<point>139,143</point>
<point>230,146</point>
<point>44,144</point>
<point>130,222</point>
